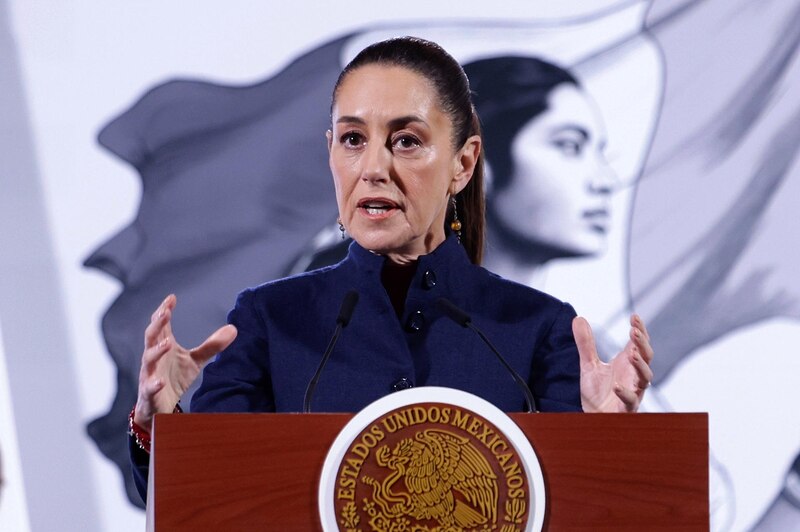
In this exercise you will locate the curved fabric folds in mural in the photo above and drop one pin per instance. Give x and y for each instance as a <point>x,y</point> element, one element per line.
<point>225,205</point>
<point>693,112</point>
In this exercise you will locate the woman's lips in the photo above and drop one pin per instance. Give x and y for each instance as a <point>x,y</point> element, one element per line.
<point>377,208</point>
<point>598,219</point>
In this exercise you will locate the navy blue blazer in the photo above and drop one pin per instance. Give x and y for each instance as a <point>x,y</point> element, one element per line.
<point>285,325</point>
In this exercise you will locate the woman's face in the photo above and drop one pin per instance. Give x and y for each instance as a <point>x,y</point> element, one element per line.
<point>558,193</point>
<point>393,162</point>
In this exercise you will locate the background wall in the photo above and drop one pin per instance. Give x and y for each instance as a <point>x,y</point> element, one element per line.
<point>69,68</point>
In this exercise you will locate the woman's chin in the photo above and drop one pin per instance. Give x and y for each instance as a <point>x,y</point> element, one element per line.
<point>379,241</point>
<point>577,248</point>
<point>394,244</point>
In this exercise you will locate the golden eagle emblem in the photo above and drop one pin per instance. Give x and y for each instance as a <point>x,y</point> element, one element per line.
<point>435,475</point>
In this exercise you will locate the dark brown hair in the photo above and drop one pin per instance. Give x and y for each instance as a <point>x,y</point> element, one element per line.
<point>429,60</point>
<point>508,92</point>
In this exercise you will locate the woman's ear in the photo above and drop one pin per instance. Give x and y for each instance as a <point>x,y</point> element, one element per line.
<point>329,136</point>
<point>466,161</point>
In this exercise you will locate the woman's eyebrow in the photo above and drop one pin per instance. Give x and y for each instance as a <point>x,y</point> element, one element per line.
<point>394,123</point>
<point>405,120</point>
<point>350,120</point>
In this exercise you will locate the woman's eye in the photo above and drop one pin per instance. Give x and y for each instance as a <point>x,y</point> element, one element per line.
<point>405,142</point>
<point>351,139</point>
<point>569,148</point>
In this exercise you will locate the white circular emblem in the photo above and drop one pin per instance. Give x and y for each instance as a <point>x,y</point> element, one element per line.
<point>433,458</point>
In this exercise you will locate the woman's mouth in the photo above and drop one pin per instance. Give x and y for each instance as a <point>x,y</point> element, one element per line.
<point>377,207</point>
<point>598,219</point>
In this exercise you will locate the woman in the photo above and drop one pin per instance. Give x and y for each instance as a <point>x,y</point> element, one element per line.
<point>550,182</point>
<point>405,153</point>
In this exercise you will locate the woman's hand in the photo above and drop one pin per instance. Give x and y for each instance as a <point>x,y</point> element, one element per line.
<point>619,385</point>
<point>168,369</point>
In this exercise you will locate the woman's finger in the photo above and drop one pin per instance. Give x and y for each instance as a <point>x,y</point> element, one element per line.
<point>216,342</point>
<point>146,406</point>
<point>158,311</point>
<point>161,317</point>
<point>158,330</point>
<point>584,339</point>
<point>629,398</point>
<point>167,303</point>
<point>154,386</point>
<point>153,355</point>
<point>638,322</point>
<point>644,374</point>
<point>642,343</point>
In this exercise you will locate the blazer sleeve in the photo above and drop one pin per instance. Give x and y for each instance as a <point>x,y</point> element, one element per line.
<point>555,378</point>
<point>238,380</point>
<point>140,467</point>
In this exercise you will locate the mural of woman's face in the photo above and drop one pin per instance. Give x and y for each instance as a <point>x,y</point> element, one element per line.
<point>558,193</point>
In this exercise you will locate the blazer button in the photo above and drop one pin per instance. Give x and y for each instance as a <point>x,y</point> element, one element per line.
<point>402,384</point>
<point>415,321</point>
<point>429,279</point>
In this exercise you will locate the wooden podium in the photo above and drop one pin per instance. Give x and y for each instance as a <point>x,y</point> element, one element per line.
<point>261,471</point>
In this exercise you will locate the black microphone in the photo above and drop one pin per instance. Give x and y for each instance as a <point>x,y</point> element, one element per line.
<point>463,319</point>
<point>345,313</point>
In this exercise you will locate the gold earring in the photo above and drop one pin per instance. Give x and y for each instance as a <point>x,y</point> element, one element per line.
<point>341,226</point>
<point>455,225</point>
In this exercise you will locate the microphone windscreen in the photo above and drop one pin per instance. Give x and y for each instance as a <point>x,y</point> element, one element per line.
<point>453,312</point>
<point>347,308</point>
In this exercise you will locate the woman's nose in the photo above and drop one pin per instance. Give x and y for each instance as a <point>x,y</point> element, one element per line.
<point>604,179</point>
<point>376,163</point>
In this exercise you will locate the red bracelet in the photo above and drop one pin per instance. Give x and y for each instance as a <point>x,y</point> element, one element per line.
<point>141,435</point>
